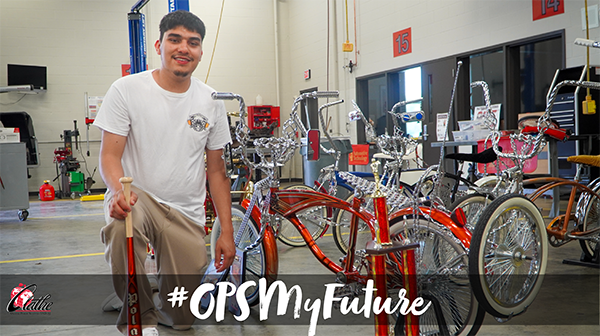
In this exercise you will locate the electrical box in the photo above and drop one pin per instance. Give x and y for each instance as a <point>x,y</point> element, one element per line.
<point>263,117</point>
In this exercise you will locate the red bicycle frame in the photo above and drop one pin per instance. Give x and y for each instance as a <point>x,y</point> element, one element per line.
<point>459,231</point>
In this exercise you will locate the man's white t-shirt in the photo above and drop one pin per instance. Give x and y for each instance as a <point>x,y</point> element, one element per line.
<point>166,136</point>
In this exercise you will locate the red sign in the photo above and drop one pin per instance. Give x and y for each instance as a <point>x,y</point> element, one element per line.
<point>402,42</point>
<point>546,8</point>
<point>307,74</point>
<point>359,155</point>
<point>125,69</point>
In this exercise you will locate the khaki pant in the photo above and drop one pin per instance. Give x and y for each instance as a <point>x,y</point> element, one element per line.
<point>180,257</point>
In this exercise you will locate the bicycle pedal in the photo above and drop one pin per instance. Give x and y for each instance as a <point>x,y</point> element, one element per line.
<point>349,291</point>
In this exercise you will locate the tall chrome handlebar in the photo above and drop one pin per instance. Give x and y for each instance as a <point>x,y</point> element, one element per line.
<point>532,144</point>
<point>334,151</point>
<point>489,118</point>
<point>292,125</point>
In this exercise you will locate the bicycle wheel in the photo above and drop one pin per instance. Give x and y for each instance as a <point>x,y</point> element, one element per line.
<point>488,183</point>
<point>451,187</point>
<point>341,228</point>
<point>473,206</point>
<point>591,220</point>
<point>255,258</point>
<point>442,277</point>
<point>508,256</point>
<point>288,233</point>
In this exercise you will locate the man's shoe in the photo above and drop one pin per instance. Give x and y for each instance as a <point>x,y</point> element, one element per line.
<point>112,303</point>
<point>150,331</point>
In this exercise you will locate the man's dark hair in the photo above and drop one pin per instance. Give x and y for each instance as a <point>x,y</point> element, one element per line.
<point>182,18</point>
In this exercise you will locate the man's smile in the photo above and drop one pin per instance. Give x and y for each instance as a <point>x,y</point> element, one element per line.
<point>182,59</point>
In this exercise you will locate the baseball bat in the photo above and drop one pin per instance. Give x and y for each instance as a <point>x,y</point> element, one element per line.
<point>134,321</point>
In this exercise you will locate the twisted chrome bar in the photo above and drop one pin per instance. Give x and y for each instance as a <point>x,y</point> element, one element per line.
<point>242,130</point>
<point>533,144</point>
<point>438,175</point>
<point>293,124</point>
<point>489,118</point>
<point>394,197</point>
<point>357,114</point>
<point>333,151</point>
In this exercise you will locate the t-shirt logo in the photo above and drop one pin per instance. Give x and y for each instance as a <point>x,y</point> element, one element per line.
<point>198,122</point>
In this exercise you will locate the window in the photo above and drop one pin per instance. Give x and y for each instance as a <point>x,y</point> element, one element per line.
<point>519,75</point>
<point>412,91</point>
<point>538,63</point>
<point>377,104</point>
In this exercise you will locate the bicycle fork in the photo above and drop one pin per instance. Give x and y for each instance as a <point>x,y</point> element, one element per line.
<point>377,252</point>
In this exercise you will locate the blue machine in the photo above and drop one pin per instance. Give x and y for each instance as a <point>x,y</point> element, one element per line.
<point>137,32</point>
<point>179,5</point>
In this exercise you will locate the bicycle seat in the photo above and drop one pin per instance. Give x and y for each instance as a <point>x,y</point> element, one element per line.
<point>382,156</point>
<point>590,160</point>
<point>486,156</point>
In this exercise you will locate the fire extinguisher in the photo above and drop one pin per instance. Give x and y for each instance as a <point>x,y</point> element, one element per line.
<point>46,191</point>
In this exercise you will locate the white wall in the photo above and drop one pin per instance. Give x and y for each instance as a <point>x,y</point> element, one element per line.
<point>447,27</point>
<point>442,28</point>
<point>84,43</point>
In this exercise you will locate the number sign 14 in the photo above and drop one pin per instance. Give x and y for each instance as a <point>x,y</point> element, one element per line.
<point>546,8</point>
<point>402,42</point>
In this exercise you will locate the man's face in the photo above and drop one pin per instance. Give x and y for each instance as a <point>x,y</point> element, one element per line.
<point>180,50</point>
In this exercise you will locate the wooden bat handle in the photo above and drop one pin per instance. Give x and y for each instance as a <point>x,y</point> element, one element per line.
<point>126,182</point>
<point>134,319</point>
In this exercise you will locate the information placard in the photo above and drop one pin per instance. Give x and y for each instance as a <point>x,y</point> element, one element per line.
<point>402,42</point>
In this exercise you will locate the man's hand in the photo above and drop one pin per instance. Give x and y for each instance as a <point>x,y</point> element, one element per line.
<point>219,190</point>
<point>224,252</point>
<point>118,207</point>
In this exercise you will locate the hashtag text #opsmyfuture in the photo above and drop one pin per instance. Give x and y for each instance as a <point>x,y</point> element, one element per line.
<point>224,290</point>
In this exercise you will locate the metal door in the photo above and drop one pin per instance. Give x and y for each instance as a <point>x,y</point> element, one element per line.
<point>437,81</point>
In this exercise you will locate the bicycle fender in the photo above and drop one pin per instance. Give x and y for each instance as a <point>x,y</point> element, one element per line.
<point>461,233</point>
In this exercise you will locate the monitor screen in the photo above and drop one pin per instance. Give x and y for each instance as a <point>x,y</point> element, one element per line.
<point>27,75</point>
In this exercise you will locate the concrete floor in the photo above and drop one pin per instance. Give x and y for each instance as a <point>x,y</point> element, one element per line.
<point>62,238</point>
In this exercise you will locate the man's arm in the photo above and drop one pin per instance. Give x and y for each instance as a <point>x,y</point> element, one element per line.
<point>219,191</point>
<point>111,170</point>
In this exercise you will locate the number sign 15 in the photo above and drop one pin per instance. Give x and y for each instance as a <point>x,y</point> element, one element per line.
<point>546,8</point>
<point>402,42</point>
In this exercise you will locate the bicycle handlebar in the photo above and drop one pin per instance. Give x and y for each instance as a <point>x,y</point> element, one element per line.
<point>314,94</point>
<point>489,118</point>
<point>224,96</point>
<point>404,103</point>
<point>334,151</point>
<point>556,133</point>
<point>358,114</point>
<point>321,94</point>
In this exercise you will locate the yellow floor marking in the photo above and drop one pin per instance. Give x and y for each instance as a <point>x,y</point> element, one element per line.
<point>64,216</point>
<point>57,257</point>
<point>51,258</point>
